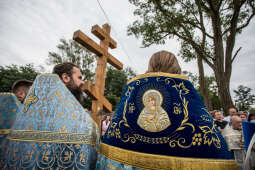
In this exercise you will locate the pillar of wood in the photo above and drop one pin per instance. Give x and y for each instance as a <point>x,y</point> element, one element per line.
<point>96,90</point>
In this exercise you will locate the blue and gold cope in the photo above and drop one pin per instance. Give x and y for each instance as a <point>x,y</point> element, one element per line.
<point>9,108</point>
<point>162,123</point>
<point>52,131</point>
<point>248,132</point>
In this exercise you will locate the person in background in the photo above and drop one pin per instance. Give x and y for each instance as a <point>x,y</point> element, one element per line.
<point>234,139</point>
<point>20,88</point>
<point>212,113</point>
<point>71,76</point>
<point>105,124</point>
<point>251,117</point>
<point>243,115</point>
<point>231,111</point>
<point>218,116</point>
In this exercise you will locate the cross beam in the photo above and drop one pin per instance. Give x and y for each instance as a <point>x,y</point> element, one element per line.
<point>96,90</point>
<point>93,92</point>
<point>84,40</point>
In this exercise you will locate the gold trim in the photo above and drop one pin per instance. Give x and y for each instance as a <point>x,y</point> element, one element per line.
<point>4,131</point>
<point>158,74</point>
<point>52,137</point>
<point>152,161</point>
<point>7,93</point>
<point>48,74</point>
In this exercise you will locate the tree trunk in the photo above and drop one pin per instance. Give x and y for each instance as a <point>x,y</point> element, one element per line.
<point>203,84</point>
<point>222,77</point>
<point>224,92</point>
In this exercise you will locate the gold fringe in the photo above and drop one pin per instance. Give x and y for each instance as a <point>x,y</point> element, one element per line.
<point>152,161</point>
<point>4,131</point>
<point>158,74</point>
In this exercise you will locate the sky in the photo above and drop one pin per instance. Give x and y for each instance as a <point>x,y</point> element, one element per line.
<point>29,29</point>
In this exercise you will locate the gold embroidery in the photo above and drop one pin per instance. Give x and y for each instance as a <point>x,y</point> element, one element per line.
<point>63,129</point>
<point>31,126</point>
<point>197,139</point>
<point>177,109</point>
<point>181,88</point>
<point>207,137</point>
<point>129,90</point>
<point>46,136</point>
<point>210,136</point>
<point>153,161</point>
<point>131,107</point>
<point>206,118</point>
<point>124,121</point>
<point>31,99</point>
<point>138,82</point>
<point>153,117</point>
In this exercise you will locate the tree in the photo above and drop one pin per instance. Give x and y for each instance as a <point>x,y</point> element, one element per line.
<point>209,28</point>
<point>9,74</point>
<point>72,51</point>
<point>243,98</point>
<point>115,83</point>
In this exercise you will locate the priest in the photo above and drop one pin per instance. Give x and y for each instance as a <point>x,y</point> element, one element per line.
<point>162,123</point>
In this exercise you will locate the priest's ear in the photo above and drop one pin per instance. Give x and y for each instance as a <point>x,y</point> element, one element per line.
<point>65,78</point>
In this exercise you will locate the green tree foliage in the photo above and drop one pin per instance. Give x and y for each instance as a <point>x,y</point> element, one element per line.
<point>71,51</point>
<point>243,98</point>
<point>9,74</point>
<point>206,29</point>
<point>115,83</point>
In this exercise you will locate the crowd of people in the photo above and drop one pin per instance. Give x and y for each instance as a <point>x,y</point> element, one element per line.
<point>231,129</point>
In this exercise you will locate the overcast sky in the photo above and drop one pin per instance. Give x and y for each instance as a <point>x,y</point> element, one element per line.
<point>29,29</point>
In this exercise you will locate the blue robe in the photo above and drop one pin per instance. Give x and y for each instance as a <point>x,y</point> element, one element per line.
<point>162,123</point>
<point>52,131</point>
<point>9,108</point>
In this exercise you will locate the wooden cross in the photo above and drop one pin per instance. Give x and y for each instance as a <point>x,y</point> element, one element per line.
<point>96,91</point>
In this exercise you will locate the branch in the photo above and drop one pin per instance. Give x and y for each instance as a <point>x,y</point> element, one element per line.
<point>164,36</point>
<point>202,20</point>
<point>196,47</point>
<point>247,22</point>
<point>237,51</point>
<point>206,8</point>
<point>200,28</point>
<point>218,7</point>
<point>234,18</point>
<point>188,38</point>
<point>212,7</point>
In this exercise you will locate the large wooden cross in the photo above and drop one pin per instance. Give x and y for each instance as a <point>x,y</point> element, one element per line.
<point>96,91</point>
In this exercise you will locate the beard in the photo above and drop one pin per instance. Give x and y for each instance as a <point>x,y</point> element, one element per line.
<point>75,90</point>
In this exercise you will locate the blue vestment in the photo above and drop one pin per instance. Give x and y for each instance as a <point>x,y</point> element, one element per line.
<point>52,131</point>
<point>162,123</point>
<point>9,108</point>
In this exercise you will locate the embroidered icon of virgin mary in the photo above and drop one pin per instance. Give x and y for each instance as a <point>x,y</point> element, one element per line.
<point>153,117</point>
